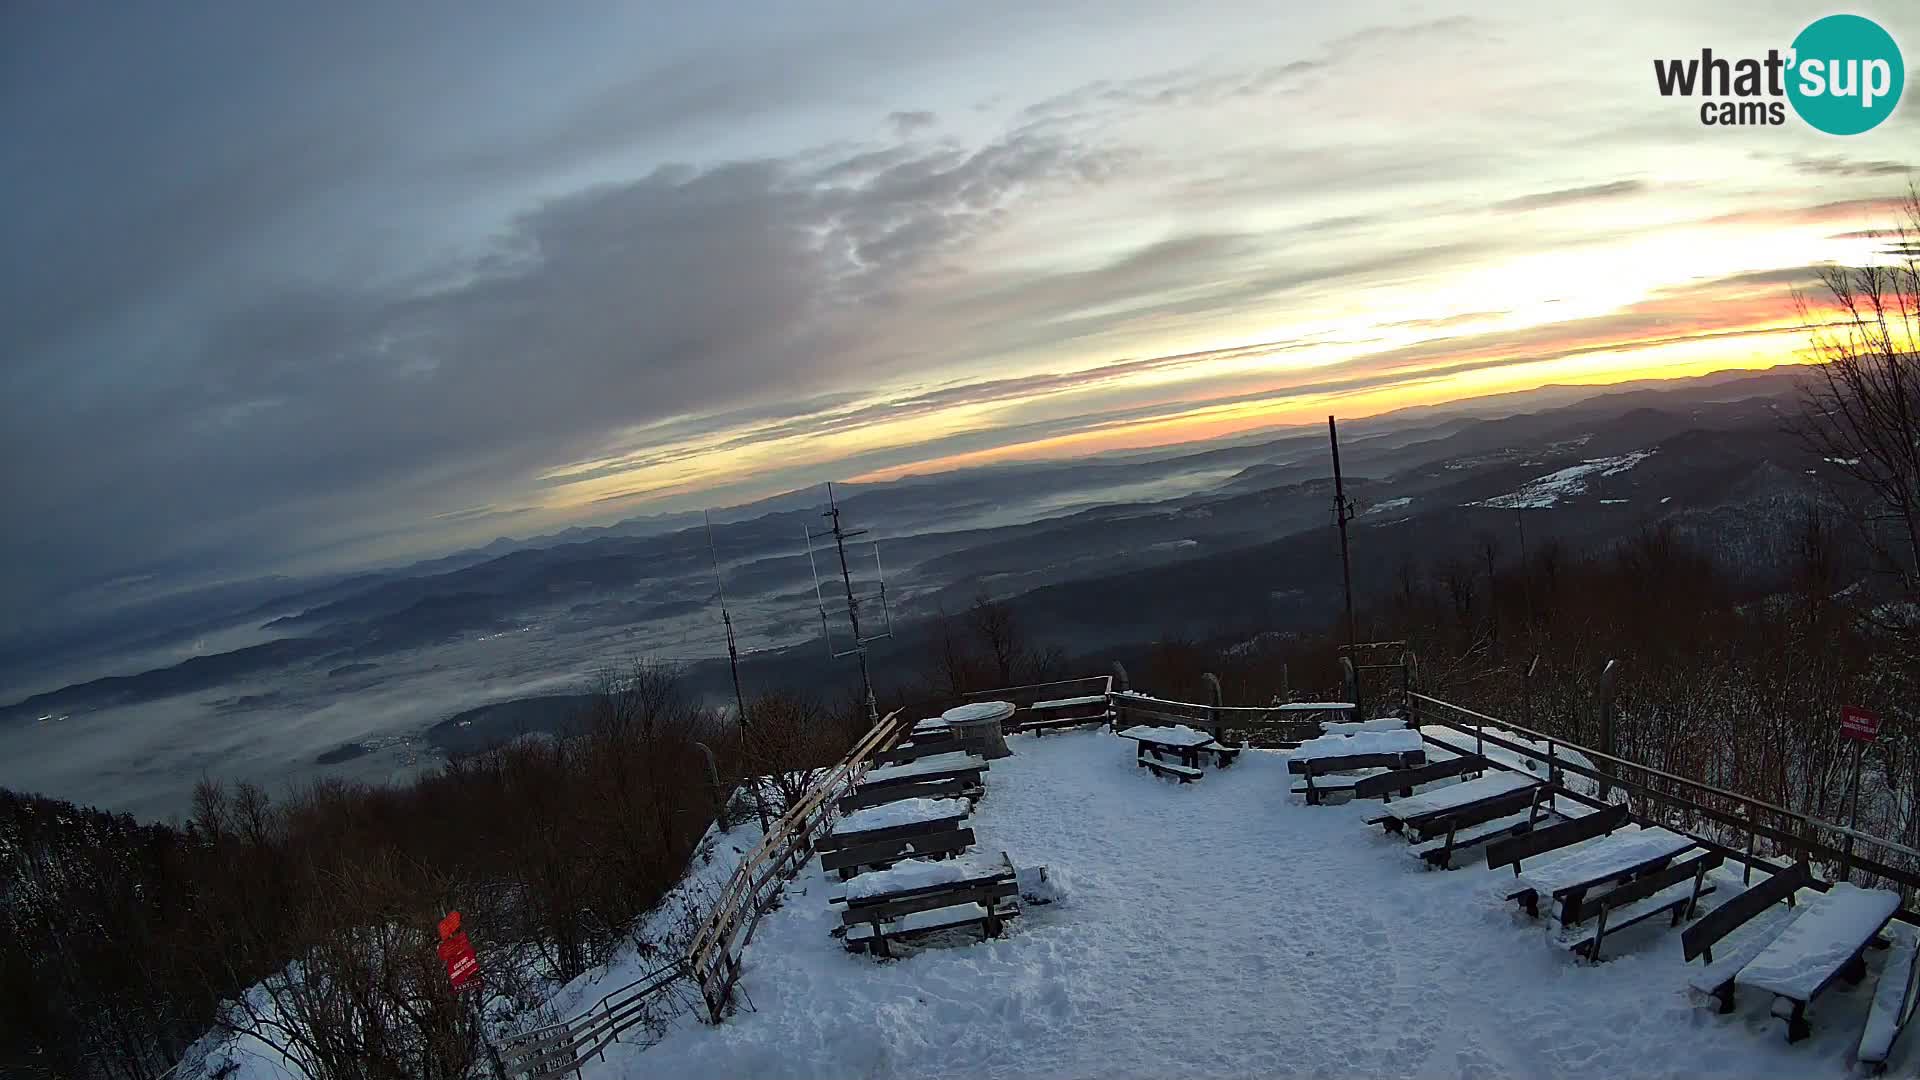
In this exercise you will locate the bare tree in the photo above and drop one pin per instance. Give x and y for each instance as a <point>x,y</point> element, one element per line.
<point>993,620</point>
<point>1862,402</point>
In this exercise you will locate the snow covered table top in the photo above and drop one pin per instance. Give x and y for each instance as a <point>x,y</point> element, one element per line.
<point>1177,735</point>
<point>978,712</point>
<point>895,814</point>
<point>916,874</point>
<point>956,761</point>
<point>1456,795</point>
<point>1601,858</point>
<point>1824,936</point>
<point>1366,742</point>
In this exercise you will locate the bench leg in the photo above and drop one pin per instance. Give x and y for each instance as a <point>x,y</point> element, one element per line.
<point>1724,994</point>
<point>1797,1028</point>
<point>1855,970</point>
<point>1530,901</point>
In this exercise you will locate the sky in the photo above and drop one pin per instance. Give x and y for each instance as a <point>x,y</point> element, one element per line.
<point>301,287</point>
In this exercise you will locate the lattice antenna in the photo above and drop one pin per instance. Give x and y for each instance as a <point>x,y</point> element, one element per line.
<point>841,534</point>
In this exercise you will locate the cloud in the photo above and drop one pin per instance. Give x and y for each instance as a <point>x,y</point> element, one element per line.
<point>905,124</point>
<point>1564,196</point>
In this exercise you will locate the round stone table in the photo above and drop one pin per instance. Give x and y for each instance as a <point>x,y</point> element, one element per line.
<point>976,727</point>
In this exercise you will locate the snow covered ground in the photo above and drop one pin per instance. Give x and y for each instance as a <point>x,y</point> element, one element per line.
<point>1545,491</point>
<point>1224,929</point>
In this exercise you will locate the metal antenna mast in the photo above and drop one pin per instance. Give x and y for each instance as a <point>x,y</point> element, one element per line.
<point>840,536</point>
<point>1342,513</point>
<point>733,661</point>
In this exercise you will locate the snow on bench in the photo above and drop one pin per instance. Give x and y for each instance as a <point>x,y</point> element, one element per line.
<point>1439,852</point>
<point>1820,946</point>
<point>1355,727</point>
<point>1315,706</point>
<point>1176,735</point>
<point>1594,862</point>
<point>915,874</point>
<point>1186,774</point>
<point>1454,796</point>
<point>896,814</point>
<point>1403,741</point>
<point>1712,979</point>
<point>944,918</point>
<point>1068,702</point>
<point>1893,1001</point>
<point>952,761</point>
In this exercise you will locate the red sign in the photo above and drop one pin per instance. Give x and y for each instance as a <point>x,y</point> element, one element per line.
<point>457,953</point>
<point>1858,723</point>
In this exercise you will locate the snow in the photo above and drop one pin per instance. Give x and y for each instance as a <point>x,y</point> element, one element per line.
<point>922,873</point>
<point>938,763</point>
<point>1599,857</point>
<point>1534,761</point>
<point>1379,723</point>
<point>976,711</point>
<point>1452,795</point>
<point>1889,995</point>
<point>1830,929</point>
<point>1366,742</point>
<point>1221,931</point>
<point>1387,506</point>
<point>1069,702</point>
<point>1174,735</point>
<point>1314,706</point>
<point>904,812</point>
<point>1545,491</point>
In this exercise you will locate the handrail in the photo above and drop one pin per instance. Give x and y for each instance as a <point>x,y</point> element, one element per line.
<point>1108,679</point>
<point>1699,785</point>
<point>593,1028</point>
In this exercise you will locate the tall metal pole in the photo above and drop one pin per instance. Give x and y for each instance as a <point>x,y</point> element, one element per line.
<point>733,661</point>
<point>1342,513</point>
<point>853,603</point>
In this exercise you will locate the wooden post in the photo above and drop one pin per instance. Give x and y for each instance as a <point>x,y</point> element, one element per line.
<point>1853,814</point>
<point>713,782</point>
<point>1120,678</point>
<point>1214,700</point>
<point>1609,677</point>
<point>1286,685</point>
<point>1747,878</point>
<point>1350,682</point>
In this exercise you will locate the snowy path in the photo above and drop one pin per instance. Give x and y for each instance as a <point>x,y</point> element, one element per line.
<point>1221,929</point>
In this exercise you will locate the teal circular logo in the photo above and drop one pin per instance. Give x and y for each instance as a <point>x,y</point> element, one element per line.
<point>1847,74</point>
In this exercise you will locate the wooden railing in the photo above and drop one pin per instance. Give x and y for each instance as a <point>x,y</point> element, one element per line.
<point>1748,830</point>
<point>713,958</point>
<point>1261,725</point>
<point>1065,701</point>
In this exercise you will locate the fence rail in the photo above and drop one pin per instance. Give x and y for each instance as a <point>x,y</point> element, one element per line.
<point>1727,821</point>
<point>713,957</point>
<point>1261,724</point>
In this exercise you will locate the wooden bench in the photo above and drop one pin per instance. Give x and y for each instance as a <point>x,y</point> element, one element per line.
<point>1186,774</point>
<point>1494,818</point>
<point>1658,893</point>
<point>1594,865</point>
<point>1062,713</point>
<point>1471,802</point>
<point>1317,771</point>
<point>1715,978</point>
<point>1822,945</point>
<point>870,927</point>
<point>1513,851</point>
<point>903,832</point>
<point>1383,785</point>
<point>1893,1002</point>
<point>953,787</point>
<point>912,751</point>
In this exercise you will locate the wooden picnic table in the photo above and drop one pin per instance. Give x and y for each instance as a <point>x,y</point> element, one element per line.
<point>1568,876</point>
<point>1188,743</point>
<point>1416,810</point>
<point>922,770</point>
<point>920,895</point>
<point>1822,944</point>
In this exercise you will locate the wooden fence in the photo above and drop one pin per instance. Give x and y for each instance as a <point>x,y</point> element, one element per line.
<point>1267,726</point>
<point>1748,830</point>
<point>1039,707</point>
<point>713,959</point>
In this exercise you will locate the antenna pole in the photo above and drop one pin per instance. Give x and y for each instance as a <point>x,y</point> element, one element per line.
<point>733,661</point>
<point>840,537</point>
<point>1342,513</point>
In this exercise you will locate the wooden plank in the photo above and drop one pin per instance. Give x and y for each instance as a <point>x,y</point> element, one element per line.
<point>1400,759</point>
<point>893,851</point>
<point>837,840</point>
<point>1513,851</point>
<point>1375,787</point>
<point>982,894</point>
<point>1467,815</point>
<point>913,751</point>
<point>861,798</point>
<point>1166,768</point>
<point>1698,939</point>
<point>1647,884</point>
